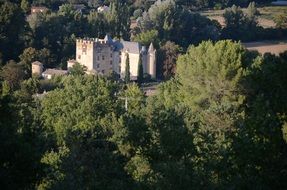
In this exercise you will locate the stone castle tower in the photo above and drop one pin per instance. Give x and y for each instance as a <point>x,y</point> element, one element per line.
<point>106,55</point>
<point>151,61</point>
<point>37,68</point>
<point>95,54</point>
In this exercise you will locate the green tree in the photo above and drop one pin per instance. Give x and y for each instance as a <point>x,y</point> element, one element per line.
<point>230,111</point>
<point>127,69</point>
<point>140,71</point>
<point>77,69</point>
<point>146,38</point>
<point>20,129</point>
<point>78,120</point>
<point>12,28</point>
<point>239,25</point>
<point>25,6</point>
<point>13,73</point>
<point>167,56</point>
<point>5,88</point>
<point>251,10</point>
<point>172,21</point>
<point>119,18</point>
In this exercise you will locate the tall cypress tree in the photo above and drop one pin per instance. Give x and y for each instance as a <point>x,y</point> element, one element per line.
<point>140,70</point>
<point>127,70</point>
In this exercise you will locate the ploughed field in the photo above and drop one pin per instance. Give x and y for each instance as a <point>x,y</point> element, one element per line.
<point>274,47</point>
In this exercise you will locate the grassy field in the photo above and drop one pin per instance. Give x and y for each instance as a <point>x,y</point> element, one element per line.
<point>265,19</point>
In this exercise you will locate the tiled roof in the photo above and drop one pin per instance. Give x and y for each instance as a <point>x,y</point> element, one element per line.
<point>72,61</point>
<point>131,47</point>
<point>108,39</point>
<point>37,63</point>
<point>55,72</point>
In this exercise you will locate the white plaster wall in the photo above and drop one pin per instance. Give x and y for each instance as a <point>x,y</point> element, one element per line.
<point>152,65</point>
<point>134,61</point>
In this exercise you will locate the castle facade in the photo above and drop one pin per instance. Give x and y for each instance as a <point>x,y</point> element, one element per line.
<point>104,56</point>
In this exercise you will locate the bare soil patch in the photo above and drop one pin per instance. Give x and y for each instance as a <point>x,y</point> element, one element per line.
<point>274,47</point>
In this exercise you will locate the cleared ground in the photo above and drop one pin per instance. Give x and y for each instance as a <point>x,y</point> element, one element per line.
<point>265,19</point>
<point>274,47</point>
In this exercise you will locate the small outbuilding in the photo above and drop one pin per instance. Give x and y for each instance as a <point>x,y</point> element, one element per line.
<point>49,73</point>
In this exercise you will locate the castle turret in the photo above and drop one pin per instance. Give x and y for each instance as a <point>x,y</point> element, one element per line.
<point>151,61</point>
<point>85,52</point>
<point>37,68</point>
<point>108,39</point>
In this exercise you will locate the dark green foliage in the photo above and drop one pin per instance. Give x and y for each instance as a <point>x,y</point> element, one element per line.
<point>127,69</point>
<point>167,56</point>
<point>77,69</point>
<point>172,21</point>
<point>200,4</point>
<point>146,38</point>
<point>116,22</point>
<point>25,6</point>
<point>140,71</point>
<point>12,28</point>
<point>13,73</point>
<point>82,136</point>
<point>240,26</point>
<point>22,146</point>
<point>237,127</point>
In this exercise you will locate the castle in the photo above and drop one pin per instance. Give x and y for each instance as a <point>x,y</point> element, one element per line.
<point>104,56</point>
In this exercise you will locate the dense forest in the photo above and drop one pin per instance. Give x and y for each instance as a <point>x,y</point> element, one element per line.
<point>218,121</point>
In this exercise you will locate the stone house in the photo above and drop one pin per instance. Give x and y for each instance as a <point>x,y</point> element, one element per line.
<point>49,73</point>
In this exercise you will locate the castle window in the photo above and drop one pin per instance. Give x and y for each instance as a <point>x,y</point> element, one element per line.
<point>103,57</point>
<point>98,58</point>
<point>79,56</point>
<point>103,71</point>
<point>98,65</point>
<point>111,62</point>
<point>111,55</point>
<point>84,48</point>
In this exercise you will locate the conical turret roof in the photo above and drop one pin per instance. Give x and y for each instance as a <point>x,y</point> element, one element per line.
<point>151,48</point>
<point>108,38</point>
